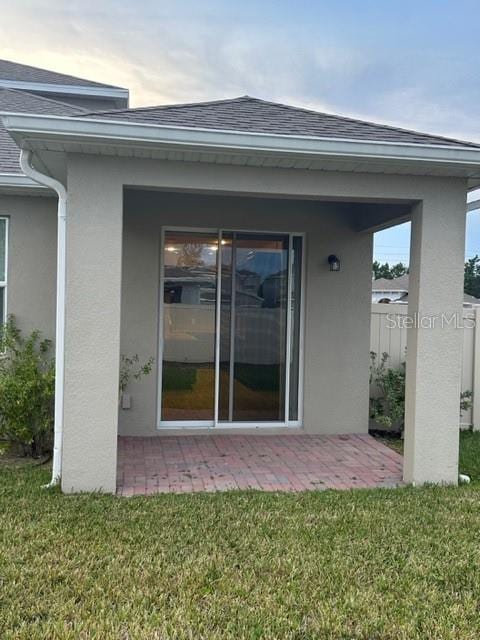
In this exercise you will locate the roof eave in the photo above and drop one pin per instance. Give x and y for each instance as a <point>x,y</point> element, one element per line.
<point>32,130</point>
<point>70,89</point>
<point>19,182</point>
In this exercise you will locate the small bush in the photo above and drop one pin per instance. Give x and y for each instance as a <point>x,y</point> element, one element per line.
<point>130,368</point>
<point>27,387</point>
<point>387,407</point>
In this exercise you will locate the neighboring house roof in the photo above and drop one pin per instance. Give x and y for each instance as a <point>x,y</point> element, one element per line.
<point>391,284</point>
<point>400,284</point>
<point>24,102</point>
<point>247,114</point>
<point>16,72</point>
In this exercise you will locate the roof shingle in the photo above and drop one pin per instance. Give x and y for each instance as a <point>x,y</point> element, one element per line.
<point>260,116</point>
<point>25,73</point>
<point>24,102</point>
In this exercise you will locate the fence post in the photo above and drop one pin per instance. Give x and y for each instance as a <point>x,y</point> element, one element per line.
<point>476,373</point>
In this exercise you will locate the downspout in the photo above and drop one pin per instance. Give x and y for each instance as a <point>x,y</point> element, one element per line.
<point>25,164</point>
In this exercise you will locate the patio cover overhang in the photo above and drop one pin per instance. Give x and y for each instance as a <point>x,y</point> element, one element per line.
<point>61,134</point>
<point>433,179</point>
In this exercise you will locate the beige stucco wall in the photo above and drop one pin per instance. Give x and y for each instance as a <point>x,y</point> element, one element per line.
<point>336,392</point>
<point>434,353</point>
<point>32,257</point>
<point>336,311</point>
<point>92,330</point>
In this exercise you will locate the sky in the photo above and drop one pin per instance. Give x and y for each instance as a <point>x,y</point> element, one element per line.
<point>410,63</point>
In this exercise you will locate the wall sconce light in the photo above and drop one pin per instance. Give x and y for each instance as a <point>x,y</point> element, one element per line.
<point>334,262</point>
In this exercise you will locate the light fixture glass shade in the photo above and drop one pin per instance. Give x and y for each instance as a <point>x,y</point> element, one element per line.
<point>334,262</point>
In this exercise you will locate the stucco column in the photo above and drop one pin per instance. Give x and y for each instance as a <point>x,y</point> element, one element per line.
<point>92,341</point>
<point>434,343</point>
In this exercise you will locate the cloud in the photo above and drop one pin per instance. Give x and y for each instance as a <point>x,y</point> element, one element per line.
<point>167,51</point>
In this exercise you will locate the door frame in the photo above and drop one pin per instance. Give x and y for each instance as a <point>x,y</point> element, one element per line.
<point>163,425</point>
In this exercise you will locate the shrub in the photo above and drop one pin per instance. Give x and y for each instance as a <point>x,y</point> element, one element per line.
<point>387,407</point>
<point>27,387</point>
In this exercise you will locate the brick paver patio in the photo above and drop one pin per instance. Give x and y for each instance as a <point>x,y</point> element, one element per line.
<point>165,464</point>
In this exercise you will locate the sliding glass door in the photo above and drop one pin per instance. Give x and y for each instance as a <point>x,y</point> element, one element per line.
<point>189,302</point>
<point>231,328</point>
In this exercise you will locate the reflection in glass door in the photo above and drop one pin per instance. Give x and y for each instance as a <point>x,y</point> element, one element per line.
<point>253,327</point>
<point>189,299</point>
<point>231,327</point>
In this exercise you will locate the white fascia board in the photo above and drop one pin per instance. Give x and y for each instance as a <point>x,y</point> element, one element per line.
<point>25,129</point>
<point>72,89</point>
<point>18,181</point>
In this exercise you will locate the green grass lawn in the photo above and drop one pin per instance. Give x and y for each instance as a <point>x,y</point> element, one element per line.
<point>379,564</point>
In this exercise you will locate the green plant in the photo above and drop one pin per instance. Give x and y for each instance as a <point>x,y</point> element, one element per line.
<point>130,368</point>
<point>466,398</point>
<point>387,406</point>
<point>27,387</point>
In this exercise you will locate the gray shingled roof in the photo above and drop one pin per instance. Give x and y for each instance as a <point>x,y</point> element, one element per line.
<point>401,284</point>
<point>23,102</point>
<point>25,73</point>
<point>260,116</point>
<point>391,284</point>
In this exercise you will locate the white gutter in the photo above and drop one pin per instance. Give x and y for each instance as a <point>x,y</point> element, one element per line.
<point>18,180</point>
<point>25,163</point>
<point>25,127</point>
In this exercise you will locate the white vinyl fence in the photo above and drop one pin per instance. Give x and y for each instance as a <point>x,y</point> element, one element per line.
<point>391,337</point>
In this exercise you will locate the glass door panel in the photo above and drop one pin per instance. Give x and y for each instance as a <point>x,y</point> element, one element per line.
<point>189,301</point>
<point>253,328</point>
<point>238,361</point>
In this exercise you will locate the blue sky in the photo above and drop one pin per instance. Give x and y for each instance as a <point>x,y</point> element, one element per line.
<point>411,63</point>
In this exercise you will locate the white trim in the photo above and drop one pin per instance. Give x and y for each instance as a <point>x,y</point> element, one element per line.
<point>29,129</point>
<point>233,304</point>
<point>218,303</point>
<point>19,180</point>
<point>160,328</point>
<point>4,283</point>
<point>301,340</point>
<point>216,423</point>
<point>70,89</point>
<point>288,329</point>
<point>208,424</point>
<point>59,188</point>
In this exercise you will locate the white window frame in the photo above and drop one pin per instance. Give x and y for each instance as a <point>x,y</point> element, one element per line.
<point>215,423</point>
<point>4,283</point>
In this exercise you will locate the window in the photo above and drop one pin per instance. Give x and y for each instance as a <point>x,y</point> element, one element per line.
<point>3,268</point>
